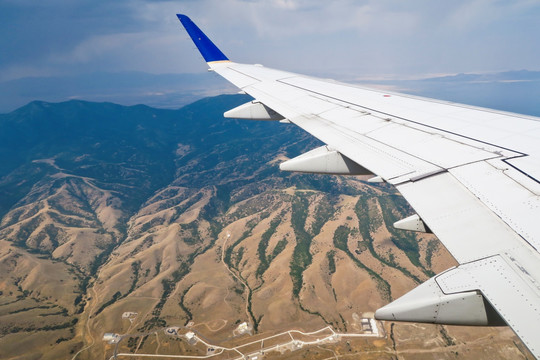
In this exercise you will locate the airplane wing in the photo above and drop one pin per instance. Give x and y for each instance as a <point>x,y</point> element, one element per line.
<point>471,174</point>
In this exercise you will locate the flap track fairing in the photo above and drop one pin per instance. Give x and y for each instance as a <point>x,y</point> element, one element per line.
<point>324,160</point>
<point>253,110</point>
<point>427,303</point>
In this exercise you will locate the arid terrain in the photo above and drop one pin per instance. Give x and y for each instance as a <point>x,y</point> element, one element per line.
<point>130,220</point>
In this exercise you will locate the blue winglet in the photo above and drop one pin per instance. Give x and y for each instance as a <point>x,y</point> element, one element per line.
<point>208,50</point>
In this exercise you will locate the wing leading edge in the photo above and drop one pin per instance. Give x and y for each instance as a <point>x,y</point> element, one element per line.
<point>471,174</point>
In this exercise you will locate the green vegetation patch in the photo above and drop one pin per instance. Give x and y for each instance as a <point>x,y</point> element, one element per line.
<point>448,340</point>
<point>280,246</point>
<point>117,295</point>
<point>301,257</point>
<point>193,230</point>
<point>264,260</point>
<point>182,304</point>
<point>362,212</point>
<point>404,240</point>
<point>341,237</point>
<point>430,249</point>
<point>136,268</point>
<point>331,262</point>
<point>227,258</point>
<point>324,212</point>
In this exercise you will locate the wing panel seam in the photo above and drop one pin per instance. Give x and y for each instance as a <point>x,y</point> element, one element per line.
<point>404,119</point>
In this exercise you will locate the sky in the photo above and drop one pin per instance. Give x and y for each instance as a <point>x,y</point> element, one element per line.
<point>356,38</point>
<point>342,39</point>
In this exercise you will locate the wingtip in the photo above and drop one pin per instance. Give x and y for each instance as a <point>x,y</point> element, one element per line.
<point>184,19</point>
<point>208,49</point>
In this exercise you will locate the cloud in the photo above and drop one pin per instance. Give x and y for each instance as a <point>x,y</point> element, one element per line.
<point>340,37</point>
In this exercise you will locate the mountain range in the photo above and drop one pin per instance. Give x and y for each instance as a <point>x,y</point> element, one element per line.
<point>516,91</point>
<point>129,219</point>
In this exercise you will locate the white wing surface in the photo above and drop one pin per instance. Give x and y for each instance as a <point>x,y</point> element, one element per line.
<point>471,174</point>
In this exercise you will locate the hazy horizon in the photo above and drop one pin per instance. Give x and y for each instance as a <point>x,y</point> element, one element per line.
<point>515,91</point>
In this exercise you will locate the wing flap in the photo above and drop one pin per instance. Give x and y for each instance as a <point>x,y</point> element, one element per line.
<point>465,225</point>
<point>377,157</point>
<point>516,202</point>
<point>529,165</point>
<point>513,296</point>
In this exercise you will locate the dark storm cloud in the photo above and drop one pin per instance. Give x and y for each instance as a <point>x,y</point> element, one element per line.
<point>35,30</point>
<point>349,37</point>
